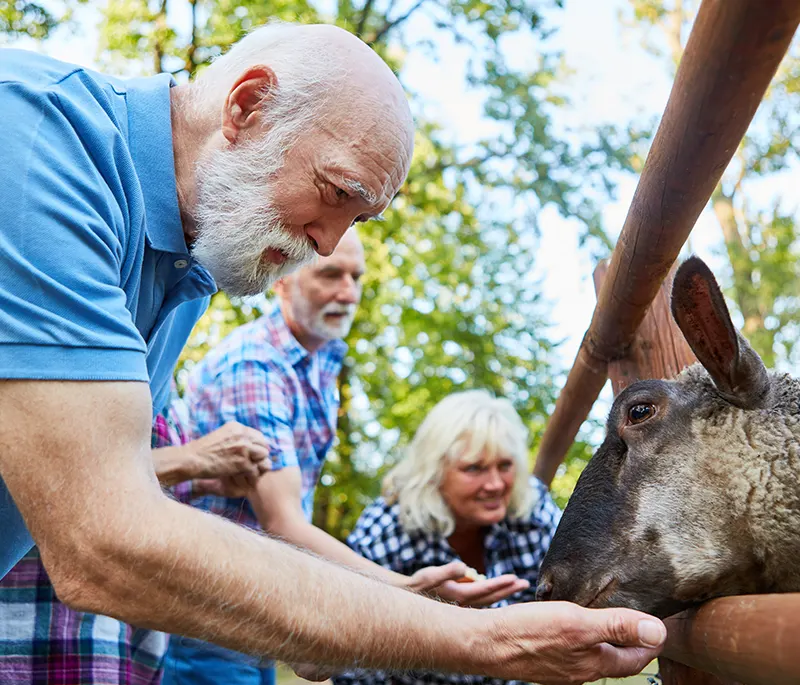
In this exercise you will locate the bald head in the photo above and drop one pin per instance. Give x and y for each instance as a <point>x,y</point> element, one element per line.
<point>314,134</point>
<point>315,64</point>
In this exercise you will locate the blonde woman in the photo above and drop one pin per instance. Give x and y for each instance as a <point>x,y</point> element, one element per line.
<point>462,492</point>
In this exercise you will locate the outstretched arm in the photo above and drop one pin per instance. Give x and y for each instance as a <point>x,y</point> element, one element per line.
<point>276,499</point>
<point>114,544</point>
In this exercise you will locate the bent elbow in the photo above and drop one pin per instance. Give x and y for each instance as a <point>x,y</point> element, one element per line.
<point>82,577</point>
<point>101,566</point>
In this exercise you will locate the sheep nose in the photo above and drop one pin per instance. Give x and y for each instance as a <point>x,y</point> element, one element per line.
<point>544,590</point>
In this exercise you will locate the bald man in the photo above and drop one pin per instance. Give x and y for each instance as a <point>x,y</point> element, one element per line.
<point>121,204</point>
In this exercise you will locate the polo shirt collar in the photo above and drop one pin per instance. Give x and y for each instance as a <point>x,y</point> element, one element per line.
<point>150,127</point>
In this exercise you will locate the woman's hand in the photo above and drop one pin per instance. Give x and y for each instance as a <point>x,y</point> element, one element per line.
<point>442,582</point>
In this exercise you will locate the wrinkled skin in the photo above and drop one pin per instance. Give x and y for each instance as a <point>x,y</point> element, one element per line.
<point>694,492</point>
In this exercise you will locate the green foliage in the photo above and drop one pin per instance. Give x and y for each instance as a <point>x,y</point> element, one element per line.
<point>20,18</point>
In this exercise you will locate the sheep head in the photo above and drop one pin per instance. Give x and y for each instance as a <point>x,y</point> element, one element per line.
<point>664,515</point>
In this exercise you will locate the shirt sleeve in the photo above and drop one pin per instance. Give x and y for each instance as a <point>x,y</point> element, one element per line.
<point>257,396</point>
<point>63,238</point>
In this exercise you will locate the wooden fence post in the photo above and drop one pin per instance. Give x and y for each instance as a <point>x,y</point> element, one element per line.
<point>732,53</point>
<point>658,350</point>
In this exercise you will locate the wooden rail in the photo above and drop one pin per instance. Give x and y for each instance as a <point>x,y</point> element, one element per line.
<point>754,639</point>
<point>733,51</point>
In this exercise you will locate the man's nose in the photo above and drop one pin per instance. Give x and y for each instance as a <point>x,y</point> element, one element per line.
<point>350,292</point>
<point>325,236</point>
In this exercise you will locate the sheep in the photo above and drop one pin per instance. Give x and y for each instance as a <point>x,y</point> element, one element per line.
<point>694,492</point>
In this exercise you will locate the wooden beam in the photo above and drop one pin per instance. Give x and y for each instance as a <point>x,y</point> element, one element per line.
<point>658,349</point>
<point>733,51</point>
<point>754,639</point>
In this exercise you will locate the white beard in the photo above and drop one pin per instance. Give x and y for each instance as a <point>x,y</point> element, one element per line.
<point>314,321</point>
<point>236,218</point>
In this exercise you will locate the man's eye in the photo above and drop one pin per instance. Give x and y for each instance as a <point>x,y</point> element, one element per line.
<point>340,193</point>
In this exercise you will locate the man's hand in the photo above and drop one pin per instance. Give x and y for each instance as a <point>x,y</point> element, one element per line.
<point>227,486</point>
<point>441,582</point>
<point>231,450</point>
<point>558,643</point>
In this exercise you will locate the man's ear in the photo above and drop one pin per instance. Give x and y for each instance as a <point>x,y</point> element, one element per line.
<point>243,106</point>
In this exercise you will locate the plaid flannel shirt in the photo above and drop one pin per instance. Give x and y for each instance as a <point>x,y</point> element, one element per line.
<point>513,546</point>
<point>42,642</point>
<point>262,377</point>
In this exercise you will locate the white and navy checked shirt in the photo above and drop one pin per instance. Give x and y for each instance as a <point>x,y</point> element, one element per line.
<point>512,546</point>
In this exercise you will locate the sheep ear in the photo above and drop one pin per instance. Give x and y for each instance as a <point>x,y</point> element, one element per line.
<point>700,312</point>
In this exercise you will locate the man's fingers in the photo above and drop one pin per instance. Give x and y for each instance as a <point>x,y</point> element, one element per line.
<point>621,662</point>
<point>206,486</point>
<point>519,584</point>
<point>433,576</point>
<point>256,437</point>
<point>452,571</point>
<point>250,471</point>
<point>626,628</point>
<point>258,454</point>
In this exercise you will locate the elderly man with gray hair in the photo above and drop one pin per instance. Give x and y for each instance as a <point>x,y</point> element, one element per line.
<point>123,205</point>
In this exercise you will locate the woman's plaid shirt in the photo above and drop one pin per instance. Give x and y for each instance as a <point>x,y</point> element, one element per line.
<point>512,546</point>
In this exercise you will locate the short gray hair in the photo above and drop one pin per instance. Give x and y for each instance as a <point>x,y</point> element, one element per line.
<point>461,427</point>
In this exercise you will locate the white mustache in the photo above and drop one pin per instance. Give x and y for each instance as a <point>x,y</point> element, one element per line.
<point>345,309</point>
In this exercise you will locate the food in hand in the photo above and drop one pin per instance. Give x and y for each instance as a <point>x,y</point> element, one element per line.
<point>471,576</point>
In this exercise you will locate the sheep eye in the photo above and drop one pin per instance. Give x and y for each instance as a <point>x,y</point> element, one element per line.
<point>641,412</point>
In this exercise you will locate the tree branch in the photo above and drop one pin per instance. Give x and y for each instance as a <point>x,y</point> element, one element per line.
<point>365,12</point>
<point>389,25</point>
<point>191,64</point>
<point>160,31</point>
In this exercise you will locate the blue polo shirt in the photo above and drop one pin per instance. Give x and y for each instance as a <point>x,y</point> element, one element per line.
<point>96,281</point>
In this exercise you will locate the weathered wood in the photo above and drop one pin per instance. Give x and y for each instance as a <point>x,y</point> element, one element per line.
<point>732,53</point>
<point>658,350</point>
<point>754,639</point>
<point>676,673</point>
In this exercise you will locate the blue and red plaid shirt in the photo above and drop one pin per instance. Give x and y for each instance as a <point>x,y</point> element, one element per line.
<point>262,377</point>
<point>42,642</point>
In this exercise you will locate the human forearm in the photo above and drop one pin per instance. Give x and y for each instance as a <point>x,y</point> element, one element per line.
<point>299,532</point>
<point>113,543</point>
<point>214,580</point>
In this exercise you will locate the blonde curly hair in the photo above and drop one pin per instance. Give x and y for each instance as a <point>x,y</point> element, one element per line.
<point>463,427</point>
